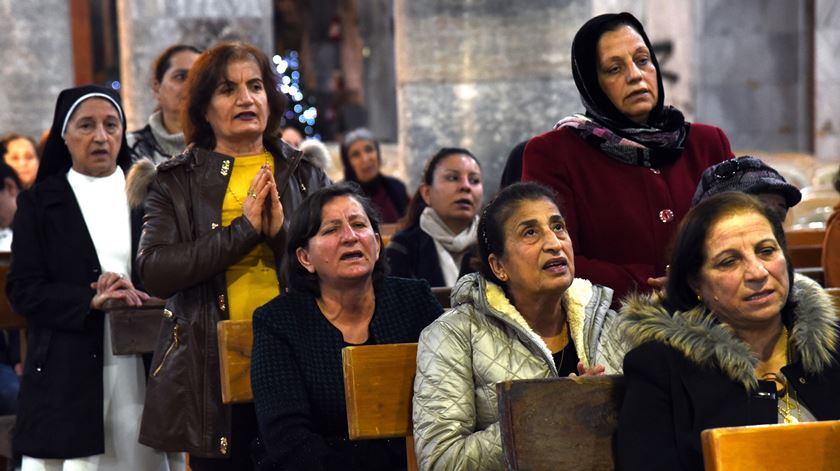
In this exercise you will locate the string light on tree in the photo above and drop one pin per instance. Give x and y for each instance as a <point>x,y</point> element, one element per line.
<point>302,109</point>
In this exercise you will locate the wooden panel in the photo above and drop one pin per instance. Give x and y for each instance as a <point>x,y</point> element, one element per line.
<point>560,423</point>
<point>835,296</point>
<point>378,386</point>
<point>8,318</point>
<point>805,256</point>
<point>134,330</point>
<point>814,273</point>
<point>795,447</point>
<point>800,237</point>
<point>442,293</point>
<point>81,35</point>
<point>235,341</point>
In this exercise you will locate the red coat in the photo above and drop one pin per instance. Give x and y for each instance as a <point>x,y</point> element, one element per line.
<point>621,218</point>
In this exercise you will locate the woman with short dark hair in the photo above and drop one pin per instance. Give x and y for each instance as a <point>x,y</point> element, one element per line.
<point>361,157</point>
<point>524,316</point>
<point>338,296</point>
<point>213,241</point>
<point>163,136</point>
<point>438,236</point>
<point>21,153</point>
<point>735,341</point>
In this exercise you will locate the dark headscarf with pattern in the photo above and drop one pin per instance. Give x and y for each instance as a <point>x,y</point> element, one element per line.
<point>56,157</point>
<point>604,126</point>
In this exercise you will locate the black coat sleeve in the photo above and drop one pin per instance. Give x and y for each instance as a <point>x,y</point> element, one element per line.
<point>646,438</point>
<point>33,290</point>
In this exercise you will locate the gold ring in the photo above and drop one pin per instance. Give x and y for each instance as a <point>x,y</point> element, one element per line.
<point>252,194</point>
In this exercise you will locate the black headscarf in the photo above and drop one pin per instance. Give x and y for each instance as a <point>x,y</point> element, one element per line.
<point>56,158</point>
<point>662,120</point>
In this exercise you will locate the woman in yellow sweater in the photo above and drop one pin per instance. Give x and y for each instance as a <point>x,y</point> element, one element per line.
<point>212,244</point>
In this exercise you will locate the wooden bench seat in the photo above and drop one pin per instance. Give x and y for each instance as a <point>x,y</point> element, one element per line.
<point>560,423</point>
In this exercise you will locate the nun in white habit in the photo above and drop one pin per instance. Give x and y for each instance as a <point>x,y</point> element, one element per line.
<point>75,239</point>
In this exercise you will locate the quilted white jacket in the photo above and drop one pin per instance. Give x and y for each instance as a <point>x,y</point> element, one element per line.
<point>483,340</point>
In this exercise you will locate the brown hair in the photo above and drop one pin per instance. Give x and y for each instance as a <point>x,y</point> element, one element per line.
<point>206,73</point>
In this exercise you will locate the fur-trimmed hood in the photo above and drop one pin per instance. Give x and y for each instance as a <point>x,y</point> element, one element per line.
<point>702,339</point>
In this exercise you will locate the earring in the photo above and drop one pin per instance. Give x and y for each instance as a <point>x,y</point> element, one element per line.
<point>699,298</point>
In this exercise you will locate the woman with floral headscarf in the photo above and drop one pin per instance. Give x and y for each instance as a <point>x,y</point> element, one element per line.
<point>625,170</point>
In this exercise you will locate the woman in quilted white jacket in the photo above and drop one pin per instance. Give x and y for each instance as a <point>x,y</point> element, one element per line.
<point>523,316</point>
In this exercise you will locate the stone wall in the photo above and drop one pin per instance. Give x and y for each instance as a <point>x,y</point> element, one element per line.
<point>483,75</point>
<point>146,28</point>
<point>36,63</point>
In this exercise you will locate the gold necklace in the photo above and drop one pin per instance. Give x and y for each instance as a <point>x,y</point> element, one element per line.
<point>250,190</point>
<point>785,404</point>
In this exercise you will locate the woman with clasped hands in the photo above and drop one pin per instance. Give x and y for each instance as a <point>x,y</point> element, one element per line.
<point>75,239</point>
<point>733,342</point>
<point>524,316</point>
<point>213,241</point>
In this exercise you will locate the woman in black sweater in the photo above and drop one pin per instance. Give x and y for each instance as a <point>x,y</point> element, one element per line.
<point>338,296</point>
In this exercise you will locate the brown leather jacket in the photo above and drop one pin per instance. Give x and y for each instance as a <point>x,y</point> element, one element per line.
<point>183,254</point>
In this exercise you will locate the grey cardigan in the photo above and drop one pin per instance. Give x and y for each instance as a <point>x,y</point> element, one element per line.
<point>483,340</point>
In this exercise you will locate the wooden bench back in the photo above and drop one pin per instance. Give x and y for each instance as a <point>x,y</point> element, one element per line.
<point>834,294</point>
<point>134,330</point>
<point>560,423</point>
<point>235,341</point>
<point>442,293</point>
<point>794,447</point>
<point>805,247</point>
<point>9,320</point>
<point>378,386</point>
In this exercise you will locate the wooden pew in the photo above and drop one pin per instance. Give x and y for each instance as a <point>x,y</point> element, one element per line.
<point>805,247</point>
<point>442,293</point>
<point>560,423</point>
<point>792,447</point>
<point>378,387</point>
<point>235,341</point>
<point>834,293</point>
<point>134,330</point>
<point>387,231</point>
<point>9,320</point>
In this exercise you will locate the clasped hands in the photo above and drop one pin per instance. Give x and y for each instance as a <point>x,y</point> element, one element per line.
<point>262,207</point>
<point>112,285</point>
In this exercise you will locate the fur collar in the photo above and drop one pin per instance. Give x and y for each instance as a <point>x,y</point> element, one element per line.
<point>703,340</point>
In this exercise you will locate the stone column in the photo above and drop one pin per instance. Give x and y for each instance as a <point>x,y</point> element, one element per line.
<point>484,75</point>
<point>36,63</point>
<point>376,25</point>
<point>753,60</point>
<point>148,27</point>
<point>827,80</point>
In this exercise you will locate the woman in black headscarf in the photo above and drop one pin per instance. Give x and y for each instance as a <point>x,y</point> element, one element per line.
<point>624,170</point>
<point>75,239</point>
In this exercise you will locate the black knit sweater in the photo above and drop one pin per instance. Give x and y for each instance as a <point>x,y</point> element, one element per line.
<point>298,383</point>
